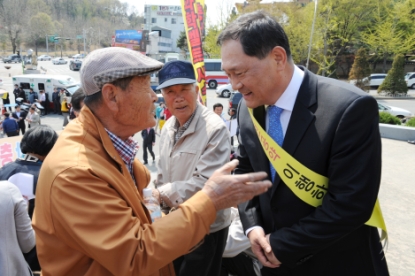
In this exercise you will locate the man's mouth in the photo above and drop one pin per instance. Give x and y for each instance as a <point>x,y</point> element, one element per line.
<point>181,107</point>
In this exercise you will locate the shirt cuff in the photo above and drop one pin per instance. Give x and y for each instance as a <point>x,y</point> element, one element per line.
<point>250,229</point>
<point>170,197</point>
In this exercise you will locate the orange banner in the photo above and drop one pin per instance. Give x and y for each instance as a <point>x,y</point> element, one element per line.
<point>193,17</point>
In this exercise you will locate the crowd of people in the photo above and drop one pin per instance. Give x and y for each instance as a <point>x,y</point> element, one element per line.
<point>32,117</point>
<point>219,217</point>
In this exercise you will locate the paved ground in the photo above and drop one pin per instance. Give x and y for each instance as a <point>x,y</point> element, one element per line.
<point>397,198</point>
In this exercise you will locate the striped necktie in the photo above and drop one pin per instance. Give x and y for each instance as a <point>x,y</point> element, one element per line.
<point>275,130</point>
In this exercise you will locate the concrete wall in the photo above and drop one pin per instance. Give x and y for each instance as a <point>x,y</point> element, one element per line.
<point>403,133</point>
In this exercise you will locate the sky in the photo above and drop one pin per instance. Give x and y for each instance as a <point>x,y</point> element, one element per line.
<point>213,6</point>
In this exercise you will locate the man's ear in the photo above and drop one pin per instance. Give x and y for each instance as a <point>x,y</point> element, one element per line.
<point>279,55</point>
<point>109,96</point>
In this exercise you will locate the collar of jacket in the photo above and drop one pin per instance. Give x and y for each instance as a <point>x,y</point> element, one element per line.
<point>95,128</point>
<point>193,124</point>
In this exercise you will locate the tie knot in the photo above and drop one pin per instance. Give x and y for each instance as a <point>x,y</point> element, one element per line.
<point>275,111</point>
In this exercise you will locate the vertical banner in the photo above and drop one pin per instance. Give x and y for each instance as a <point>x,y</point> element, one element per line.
<point>193,17</point>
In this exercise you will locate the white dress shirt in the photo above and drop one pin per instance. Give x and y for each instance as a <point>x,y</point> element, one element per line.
<point>286,102</point>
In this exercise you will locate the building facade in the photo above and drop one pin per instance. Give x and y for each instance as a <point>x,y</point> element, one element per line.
<point>168,21</point>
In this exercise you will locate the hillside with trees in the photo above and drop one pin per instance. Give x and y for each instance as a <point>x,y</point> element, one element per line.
<point>27,23</point>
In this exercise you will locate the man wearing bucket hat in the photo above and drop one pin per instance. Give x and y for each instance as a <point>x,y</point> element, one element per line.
<point>90,218</point>
<point>193,144</point>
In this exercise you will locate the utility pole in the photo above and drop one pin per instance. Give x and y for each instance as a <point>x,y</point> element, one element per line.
<point>312,31</point>
<point>83,34</point>
<point>47,46</point>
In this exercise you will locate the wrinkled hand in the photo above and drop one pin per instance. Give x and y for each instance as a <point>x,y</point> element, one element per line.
<point>227,190</point>
<point>262,248</point>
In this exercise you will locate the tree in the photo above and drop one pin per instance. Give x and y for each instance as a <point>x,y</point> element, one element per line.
<point>40,26</point>
<point>386,40</point>
<point>210,46</point>
<point>13,17</point>
<point>360,70</point>
<point>395,81</point>
<point>337,29</point>
<point>182,42</point>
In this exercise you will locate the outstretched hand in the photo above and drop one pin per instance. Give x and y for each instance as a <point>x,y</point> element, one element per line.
<point>226,190</point>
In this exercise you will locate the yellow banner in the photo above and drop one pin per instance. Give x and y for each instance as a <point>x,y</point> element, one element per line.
<point>193,17</point>
<point>306,184</point>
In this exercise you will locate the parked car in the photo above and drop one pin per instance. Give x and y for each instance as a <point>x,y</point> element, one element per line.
<point>12,58</point>
<point>375,80</point>
<point>77,56</point>
<point>234,100</point>
<point>75,64</point>
<point>59,61</point>
<point>44,57</point>
<point>410,80</point>
<point>224,90</point>
<point>395,111</point>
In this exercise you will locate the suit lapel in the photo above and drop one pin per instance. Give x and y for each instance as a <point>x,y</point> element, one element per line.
<point>301,118</point>
<point>260,116</point>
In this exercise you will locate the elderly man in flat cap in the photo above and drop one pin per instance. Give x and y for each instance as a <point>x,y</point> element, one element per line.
<point>193,144</point>
<point>90,218</point>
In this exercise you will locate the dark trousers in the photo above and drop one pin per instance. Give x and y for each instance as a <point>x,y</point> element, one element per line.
<point>148,147</point>
<point>22,126</point>
<point>206,260</point>
<point>45,108</point>
<point>240,265</point>
<point>57,107</point>
<point>7,101</point>
<point>13,133</point>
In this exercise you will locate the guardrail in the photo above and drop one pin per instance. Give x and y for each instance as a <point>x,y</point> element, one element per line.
<point>397,132</point>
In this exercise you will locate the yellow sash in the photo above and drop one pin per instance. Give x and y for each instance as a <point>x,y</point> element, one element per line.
<point>307,185</point>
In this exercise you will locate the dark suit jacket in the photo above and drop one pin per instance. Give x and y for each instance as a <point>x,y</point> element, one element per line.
<point>334,131</point>
<point>23,115</point>
<point>148,138</point>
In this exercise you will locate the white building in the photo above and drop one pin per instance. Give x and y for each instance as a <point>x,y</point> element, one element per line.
<point>167,18</point>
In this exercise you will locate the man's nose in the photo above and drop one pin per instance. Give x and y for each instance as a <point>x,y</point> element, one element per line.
<point>235,83</point>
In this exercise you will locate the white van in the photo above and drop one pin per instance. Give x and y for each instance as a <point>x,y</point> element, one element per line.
<point>48,83</point>
<point>410,80</point>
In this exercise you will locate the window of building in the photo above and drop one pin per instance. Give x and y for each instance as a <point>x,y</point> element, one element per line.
<point>165,19</point>
<point>145,21</point>
<point>173,21</point>
<point>153,20</point>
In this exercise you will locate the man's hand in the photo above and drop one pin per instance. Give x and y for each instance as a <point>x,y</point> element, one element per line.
<point>262,248</point>
<point>227,190</point>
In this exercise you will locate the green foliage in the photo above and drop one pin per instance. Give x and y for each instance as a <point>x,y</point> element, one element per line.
<point>386,118</point>
<point>360,70</point>
<point>395,81</point>
<point>182,42</point>
<point>410,122</point>
<point>210,47</point>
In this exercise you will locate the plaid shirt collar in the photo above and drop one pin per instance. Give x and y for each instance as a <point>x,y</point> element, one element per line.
<point>181,129</point>
<point>126,149</point>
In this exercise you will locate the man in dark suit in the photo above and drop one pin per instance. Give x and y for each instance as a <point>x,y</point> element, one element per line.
<point>330,127</point>
<point>20,117</point>
<point>56,101</point>
<point>149,139</point>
